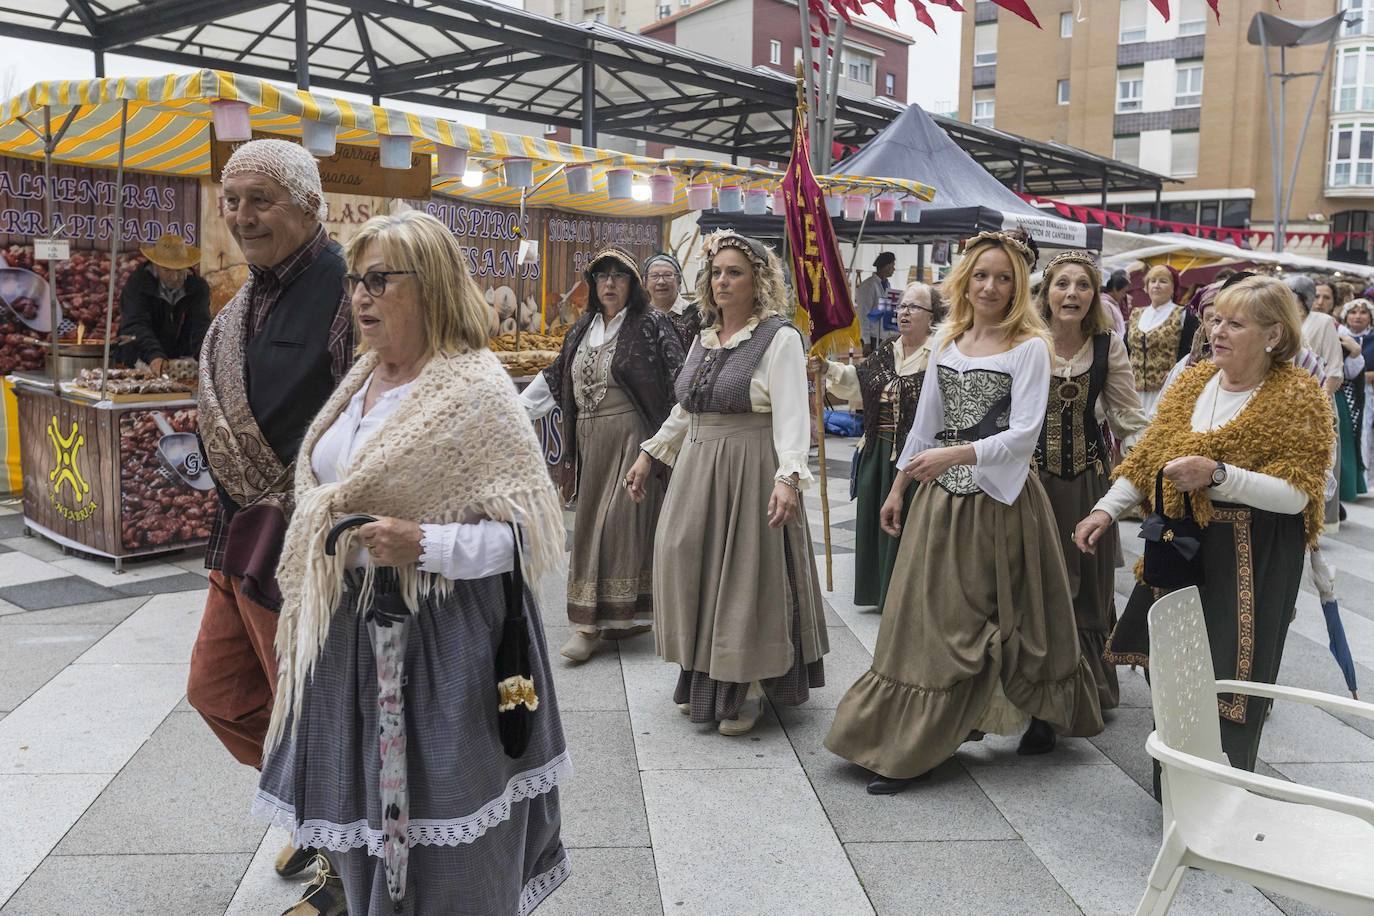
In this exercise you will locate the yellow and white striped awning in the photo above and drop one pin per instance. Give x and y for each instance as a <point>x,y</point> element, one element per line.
<point>169,133</point>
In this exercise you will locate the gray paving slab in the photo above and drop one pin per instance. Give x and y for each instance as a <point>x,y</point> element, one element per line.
<point>1135,690</point>
<point>946,879</point>
<point>950,806</point>
<point>1355,779</point>
<point>38,596</point>
<point>603,804</point>
<point>1000,750</point>
<point>608,881</point>
<point>36,810</point>
<point>1303,734</point>
<point>846,661</point>
<point>261,892</point>
<point>1098,833</point>
<point>31,654</point>
<point>39,548</point>
<point>162,631</point>
<point>22,569</point>
<point>594,684</point>
<point>11,525</point>
<point>728,842</point>
<point>1123,742</point>
<point>180,582</point>
<point>129,885</point>
<point>665,739</point>
<point>111,612</point>
<point>202,793</point>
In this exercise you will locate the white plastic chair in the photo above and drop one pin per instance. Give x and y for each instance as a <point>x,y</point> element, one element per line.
<point>1308,844</point>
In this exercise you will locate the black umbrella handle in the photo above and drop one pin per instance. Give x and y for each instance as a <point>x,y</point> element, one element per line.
<point>331,541</point>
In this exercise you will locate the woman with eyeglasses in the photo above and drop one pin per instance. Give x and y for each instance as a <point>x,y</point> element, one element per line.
<point>889,384</point>
<point>613,380</point>
<point>739,607</point>
<point>663,277</point>
<point>1090,368</point>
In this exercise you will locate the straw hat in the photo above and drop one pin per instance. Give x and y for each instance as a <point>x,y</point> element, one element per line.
<point>172,252</point>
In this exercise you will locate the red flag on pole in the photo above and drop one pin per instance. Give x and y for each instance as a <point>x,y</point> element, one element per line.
<point>817,270</point>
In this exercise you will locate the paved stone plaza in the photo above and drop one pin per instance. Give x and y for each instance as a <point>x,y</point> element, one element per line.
<point>115,799</point>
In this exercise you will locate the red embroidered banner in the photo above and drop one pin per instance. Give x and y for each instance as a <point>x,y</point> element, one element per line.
<point>818,271</point>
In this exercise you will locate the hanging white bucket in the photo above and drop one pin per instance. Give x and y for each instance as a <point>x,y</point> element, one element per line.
<point>699,196</point>
<point>579,179</point>
<point>519,173</point>
<point>730,199</point>
<point>620,184</point>
<point>756,202</point>
<point>319,138</point>
<point>231,120</point>
<point>911,211</point>
<point>662,189</point>
<point>453,162</point>
<point>855,205</point>
<point>886,208</point>
<point>395,152</point>
<point>834,204</point>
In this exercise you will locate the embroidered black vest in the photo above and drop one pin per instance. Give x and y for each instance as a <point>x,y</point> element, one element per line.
<point>1071,438</point>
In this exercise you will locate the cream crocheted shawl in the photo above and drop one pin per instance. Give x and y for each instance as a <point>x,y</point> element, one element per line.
<point>458,448</point>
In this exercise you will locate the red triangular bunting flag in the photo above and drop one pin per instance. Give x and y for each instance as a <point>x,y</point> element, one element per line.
<point>952,4</point>
<point>1162,6</point>
<point>1117,219</point>
<point>922,14</point>
<point>1339,239</point>
<point>1020,8</point>
<point>1216,8</point>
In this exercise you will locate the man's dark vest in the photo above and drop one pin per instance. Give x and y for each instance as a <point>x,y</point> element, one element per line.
<point>288,364</point>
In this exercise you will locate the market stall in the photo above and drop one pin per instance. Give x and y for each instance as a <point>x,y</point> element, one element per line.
<point>527,212</point>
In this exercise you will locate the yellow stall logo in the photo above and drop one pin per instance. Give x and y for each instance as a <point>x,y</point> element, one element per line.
<point>65,471</point>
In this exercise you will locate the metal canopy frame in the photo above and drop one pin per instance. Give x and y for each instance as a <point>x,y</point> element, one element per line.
<point>487,58</point>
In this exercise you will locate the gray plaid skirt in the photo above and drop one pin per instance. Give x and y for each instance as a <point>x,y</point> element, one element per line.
<point>498,817</point>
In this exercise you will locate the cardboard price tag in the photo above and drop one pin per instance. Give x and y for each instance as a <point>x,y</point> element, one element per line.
<point>52,250</point>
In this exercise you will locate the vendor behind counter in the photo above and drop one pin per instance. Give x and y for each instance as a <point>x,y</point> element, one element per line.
<point>164,307</point>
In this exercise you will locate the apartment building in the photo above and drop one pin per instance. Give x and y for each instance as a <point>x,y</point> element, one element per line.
<point>1186,98</point>
<point>767,33</point>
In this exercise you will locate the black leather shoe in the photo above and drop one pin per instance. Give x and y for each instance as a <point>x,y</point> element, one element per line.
<point>292,861</point>
<point>883,785</point>
<point>1038,739</point>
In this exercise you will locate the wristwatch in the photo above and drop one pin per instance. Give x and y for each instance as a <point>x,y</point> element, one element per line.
<point>1219,475</point>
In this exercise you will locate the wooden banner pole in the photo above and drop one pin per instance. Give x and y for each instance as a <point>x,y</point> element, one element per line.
<point>825,492</point>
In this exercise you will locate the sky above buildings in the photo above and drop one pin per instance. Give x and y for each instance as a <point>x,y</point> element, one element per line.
<point>933,73</point>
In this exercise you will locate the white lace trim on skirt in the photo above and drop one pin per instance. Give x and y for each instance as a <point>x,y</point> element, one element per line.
<point>540,886</point>
<point>321,834</point>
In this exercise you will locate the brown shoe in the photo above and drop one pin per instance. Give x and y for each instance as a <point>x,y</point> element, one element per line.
<point>324,895</point>
<point>292,861</point>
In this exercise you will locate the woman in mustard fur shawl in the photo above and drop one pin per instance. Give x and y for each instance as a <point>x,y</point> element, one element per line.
<point>1248,437</point>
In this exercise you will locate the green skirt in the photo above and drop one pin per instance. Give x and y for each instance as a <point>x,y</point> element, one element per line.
<point>875,551</point>
<point>1352,470</point>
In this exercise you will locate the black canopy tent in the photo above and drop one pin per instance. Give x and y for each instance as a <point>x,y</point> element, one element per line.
<point>968,199</point>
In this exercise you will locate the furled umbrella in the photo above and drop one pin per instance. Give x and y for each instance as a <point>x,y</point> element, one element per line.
<point>388,621</point>
<point>1324,577</point>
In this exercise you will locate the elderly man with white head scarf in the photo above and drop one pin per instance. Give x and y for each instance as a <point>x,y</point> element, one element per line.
<point>270,360</point>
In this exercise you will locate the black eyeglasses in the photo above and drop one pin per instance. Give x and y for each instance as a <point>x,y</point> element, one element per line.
<point>913,307</point>
<point>601,276</point>
<point>374,281</point>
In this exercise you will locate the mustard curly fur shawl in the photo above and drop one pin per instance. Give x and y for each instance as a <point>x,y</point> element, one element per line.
<point>1285,431</point>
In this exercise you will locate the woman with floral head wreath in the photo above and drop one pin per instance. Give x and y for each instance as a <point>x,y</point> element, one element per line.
<point>1160,334</point>
<point>1091,368</point>
<point>739,608</point>
<point>978,631</point>
<point>613,380</point>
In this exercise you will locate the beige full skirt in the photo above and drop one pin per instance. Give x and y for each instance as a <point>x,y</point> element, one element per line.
<point>978,615</point>
<point>610,569</point>
<point>728,605</point>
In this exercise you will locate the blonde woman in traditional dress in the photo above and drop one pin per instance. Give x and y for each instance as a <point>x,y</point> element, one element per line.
<point>889,384</point>
<point>417,805</point>
<point>1248,436</point>
<point>1091,369</point>
<point>1159,335</point>
<point>978,632</point>
<point>614,381</point>
<point>739,608</point>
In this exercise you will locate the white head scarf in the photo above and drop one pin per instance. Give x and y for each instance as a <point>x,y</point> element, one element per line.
<point>286,163</point>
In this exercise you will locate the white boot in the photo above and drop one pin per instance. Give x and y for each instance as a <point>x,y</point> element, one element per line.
<point>749,712</point>
<point>582,645</point>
